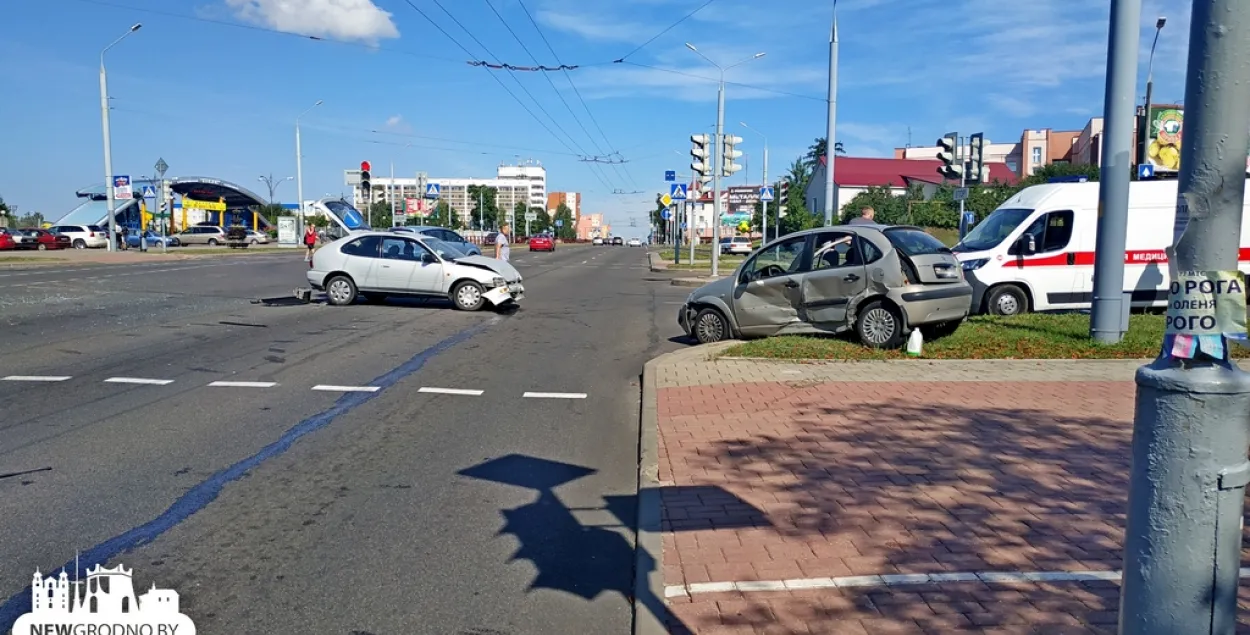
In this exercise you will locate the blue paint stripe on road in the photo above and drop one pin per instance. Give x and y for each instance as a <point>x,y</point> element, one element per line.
<point>201,495</point>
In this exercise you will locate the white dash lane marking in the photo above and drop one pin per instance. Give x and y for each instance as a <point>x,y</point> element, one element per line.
<point>327,388</point>
<point>450,391</point>
<point>555,395</point>
<point>36,378</point>
<point>138,380</point>
<point>243,384</point>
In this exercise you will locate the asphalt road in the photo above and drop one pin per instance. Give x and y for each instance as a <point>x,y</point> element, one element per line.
<point>444,500</point>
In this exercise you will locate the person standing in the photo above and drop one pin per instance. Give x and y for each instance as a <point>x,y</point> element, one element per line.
<point>502,248</point>
<point>866,217</point>
<point>310,241</point>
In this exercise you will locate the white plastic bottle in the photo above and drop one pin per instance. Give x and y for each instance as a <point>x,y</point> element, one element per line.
<point>915,343</point>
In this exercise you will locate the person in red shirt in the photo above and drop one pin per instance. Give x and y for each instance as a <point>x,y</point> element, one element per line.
<point>310,241</point>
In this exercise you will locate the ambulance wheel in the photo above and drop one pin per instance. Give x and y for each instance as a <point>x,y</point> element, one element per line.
<point>1008,299</point>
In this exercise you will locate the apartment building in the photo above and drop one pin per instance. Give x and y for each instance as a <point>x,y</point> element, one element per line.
<point>530,173</point>
<point>525,183</point>
<point>571,199</point>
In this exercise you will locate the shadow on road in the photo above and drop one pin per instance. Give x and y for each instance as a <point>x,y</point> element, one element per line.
<point>585,559</point>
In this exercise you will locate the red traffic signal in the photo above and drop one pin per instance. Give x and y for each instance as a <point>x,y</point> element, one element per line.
<point>364,166</point>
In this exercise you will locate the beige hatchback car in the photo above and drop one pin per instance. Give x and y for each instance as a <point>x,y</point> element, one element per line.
<point>880,281</point>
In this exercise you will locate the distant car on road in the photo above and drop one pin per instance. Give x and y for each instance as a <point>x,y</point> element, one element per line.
<point>740,245</point>
<point>202,235</point>
<point>44,239</point>
<point>257,237</point>
<point>596,241</point>
<point>879,281</point>
<point>380,264</point>
<point>154,239</point>
<point>442,233</point>
<point>634,242</point>
<point>617,240</point>
<point>542,242</point>
<point>83,236</point>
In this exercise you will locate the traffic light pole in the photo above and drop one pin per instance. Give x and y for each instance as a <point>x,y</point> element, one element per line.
<point>1182,548</point>
<point>718,166</point>
<point>1109,310</point>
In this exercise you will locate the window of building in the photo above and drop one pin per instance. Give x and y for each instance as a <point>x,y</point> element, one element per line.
<point>1012,164</point>
<point>1037,154</point>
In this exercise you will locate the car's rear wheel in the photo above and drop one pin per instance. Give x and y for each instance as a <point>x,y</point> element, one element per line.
<point>212,242</point>
<point>1008,299</point>
<point>340,291</point>
<point>710,326</point>
<point>467,296</point>
<point>879,325</point>
<point>80,244</point>
<point>42,247</point>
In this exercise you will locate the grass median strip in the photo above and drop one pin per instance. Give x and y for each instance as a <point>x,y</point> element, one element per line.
<point>1032,336</point>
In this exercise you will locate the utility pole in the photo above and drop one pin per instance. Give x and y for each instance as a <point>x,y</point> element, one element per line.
<point>1182,548</point>
<point>831,125</point>
<point>299,171</point>
<point>1143,130</point>
<point>1108,319</point>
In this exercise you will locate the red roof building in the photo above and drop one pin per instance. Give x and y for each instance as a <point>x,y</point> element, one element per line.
<point>853,175</point>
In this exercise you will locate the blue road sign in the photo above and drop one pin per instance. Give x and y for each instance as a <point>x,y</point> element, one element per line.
<point>677,192</point>
<point>149,191</point>
<point>683,226</point>
<point>1146,171</point>
<point>670,175</point>
<point>559,222</point>
<point>766,193</point>
<point>666,214</point>
<point>431,190</point>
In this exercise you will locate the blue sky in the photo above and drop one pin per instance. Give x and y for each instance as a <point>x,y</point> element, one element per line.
<point>219,100</point>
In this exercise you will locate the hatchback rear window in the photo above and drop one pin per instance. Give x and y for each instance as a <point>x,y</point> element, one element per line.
<point>914,242</point>
<point>95,228</point>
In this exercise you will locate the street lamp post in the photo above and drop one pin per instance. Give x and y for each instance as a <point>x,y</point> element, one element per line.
<point>719,164</point>
<point>272,184</point>
<point>108,142</point>
<point>763,181</point>
<point>1144,130</point>
<point>299,168</point>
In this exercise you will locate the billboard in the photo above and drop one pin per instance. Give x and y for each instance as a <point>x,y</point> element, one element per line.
<point>1164,125</point>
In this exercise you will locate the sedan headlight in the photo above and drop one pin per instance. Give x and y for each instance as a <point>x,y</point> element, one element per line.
<point>973,265</point>
<point>499,282</point>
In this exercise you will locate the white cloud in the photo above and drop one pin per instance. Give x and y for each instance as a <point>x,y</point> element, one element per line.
<point>396,123</point>
<point>353,20</point>
<point>594,27</point>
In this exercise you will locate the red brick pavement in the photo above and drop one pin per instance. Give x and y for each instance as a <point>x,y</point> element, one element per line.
<point>774,481</point>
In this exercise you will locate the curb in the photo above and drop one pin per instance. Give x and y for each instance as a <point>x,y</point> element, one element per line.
<point>692,282</point>
<point>649,543</point>
<point>653,264</point>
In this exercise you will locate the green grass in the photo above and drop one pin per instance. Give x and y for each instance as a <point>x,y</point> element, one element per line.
<point>1031,336</point>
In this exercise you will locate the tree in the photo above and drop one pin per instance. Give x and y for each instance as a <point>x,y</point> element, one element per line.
<point>567,231</point>
<point>518,214</point>
<point>33,219</point>
<point>443,215</point>
<point>485,209</point>
<point>380,214</point>
<point>540,224</point>
<point>271,212</point>
<point>816,151</point>
<point>4,207</point>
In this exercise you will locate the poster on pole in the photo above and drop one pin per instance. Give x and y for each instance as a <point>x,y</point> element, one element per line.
<point>1205,310</point>
<point>286,231</point>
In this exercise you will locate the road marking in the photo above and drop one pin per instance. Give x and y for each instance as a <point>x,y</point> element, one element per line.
<point>555,395</point>
<point>450,391</point>
<point>326,388</point>
<point>35,378</point>
<point>138,380</point>
<point>243,384</point>
<point>893,580</point>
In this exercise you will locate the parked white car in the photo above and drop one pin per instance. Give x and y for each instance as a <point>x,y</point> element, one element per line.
<point>634,242</point>
<point>380,264</point>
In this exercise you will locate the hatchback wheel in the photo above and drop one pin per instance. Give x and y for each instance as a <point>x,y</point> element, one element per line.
<point>879,326</point>
<point>467,296</point>
<point>340,291</point>
<point>710,327</point>
<point>80,244</point>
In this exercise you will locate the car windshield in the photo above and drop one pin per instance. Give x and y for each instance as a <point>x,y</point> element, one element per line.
<point>994,229</point>
<point>444,250</point>
<point>915,242</point>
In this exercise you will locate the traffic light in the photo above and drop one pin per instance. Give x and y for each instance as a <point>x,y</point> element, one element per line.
<point>978,171</point>
<point>702,164</point>
<point>366,188</point>
<point>948,154</point>
<point>783,197</point>
<point>728,154</point>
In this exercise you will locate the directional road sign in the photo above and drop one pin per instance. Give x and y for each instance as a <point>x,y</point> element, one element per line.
<point>431,190</point>
<point>161,167</point>
<point>531,216</point>
<point>683,226</point>
<point>766,193</point>
<point>666,200</point>
<point>1146,171</point>
<point>149,191</point>
<point>677,192</point>
<point>961,194</point>
<point>670,175</point>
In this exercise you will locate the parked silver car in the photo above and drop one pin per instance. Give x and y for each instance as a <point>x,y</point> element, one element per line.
<point>442,233</point>
<point>882,281</point>
<point>380,264</point>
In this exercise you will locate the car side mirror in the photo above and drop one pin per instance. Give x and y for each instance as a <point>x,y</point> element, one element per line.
<point>428,258</point>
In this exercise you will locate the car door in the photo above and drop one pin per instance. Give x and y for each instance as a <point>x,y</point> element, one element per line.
<point>1052,265</point>
<point>767,297</point>
<point>394,269</point>
<point>360,258</point>
<point>838,276</point>
<point>427,274</point>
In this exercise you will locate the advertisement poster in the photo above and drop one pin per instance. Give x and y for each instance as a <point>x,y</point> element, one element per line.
<point>1163,143</point>
<point>286,231</point>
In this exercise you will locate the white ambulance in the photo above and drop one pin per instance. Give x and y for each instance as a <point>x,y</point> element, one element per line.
<point>1036,251</point>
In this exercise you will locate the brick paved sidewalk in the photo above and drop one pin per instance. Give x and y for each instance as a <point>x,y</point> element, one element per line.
<point>922,489</point>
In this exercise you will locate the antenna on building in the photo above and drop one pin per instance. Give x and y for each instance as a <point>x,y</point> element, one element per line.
<point>908,137</point>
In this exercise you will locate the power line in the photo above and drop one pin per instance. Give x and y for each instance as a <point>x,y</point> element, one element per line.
<point>666,30</point>
<point>577,92</point>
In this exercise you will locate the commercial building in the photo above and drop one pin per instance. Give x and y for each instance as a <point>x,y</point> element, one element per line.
<point>572,200</point>
<point>523,183</point>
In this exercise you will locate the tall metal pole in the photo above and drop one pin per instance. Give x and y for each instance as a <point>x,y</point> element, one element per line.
<point>1182,546</point>
<point>299,172</point>
<point>831,125</point>
<point>963,176</point>
<point>1142,133</point>
<point>717,166</point>
<point>690,216</point>
<point>394,198</point>
<point>1108,317</point>
<point>764,212</point>
<point>108,141</point>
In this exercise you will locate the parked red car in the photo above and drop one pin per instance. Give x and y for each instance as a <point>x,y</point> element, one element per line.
<point>542,243</point>
<point>6,240</point>
<point>47,239</point>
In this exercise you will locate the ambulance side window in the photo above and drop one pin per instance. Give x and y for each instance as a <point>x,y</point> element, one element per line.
<point>1051,232</point>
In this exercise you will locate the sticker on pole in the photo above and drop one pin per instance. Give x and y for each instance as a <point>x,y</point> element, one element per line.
<point>1204,309</point>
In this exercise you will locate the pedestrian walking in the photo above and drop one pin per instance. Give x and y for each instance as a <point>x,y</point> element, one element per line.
<point>310,241</point>
<point>502,239</point>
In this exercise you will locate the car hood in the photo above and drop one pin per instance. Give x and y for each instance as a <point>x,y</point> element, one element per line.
<point>492,264</point>
<point>722,288</point>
